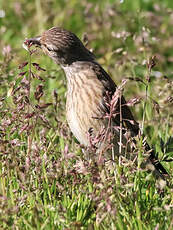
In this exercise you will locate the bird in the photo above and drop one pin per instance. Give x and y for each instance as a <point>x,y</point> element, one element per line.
<point>90,91</point>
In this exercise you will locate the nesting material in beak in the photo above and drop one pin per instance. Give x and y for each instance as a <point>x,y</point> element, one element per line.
<point>32,41</point>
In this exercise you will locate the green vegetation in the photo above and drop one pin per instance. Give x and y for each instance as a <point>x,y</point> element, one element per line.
<point>46,182</point>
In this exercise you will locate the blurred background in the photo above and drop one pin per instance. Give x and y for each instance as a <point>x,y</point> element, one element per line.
<point>117,30</point>
<point>122,34</point>
<point>41,185</point>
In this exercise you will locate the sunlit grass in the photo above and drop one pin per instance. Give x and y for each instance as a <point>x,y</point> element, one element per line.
<point>46,182</point>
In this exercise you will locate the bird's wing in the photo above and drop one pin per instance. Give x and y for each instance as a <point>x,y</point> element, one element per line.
<point>127,117</point>
<point>111,88</point>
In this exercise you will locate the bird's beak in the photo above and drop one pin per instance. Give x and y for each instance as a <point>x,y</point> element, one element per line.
<point>33,41</point>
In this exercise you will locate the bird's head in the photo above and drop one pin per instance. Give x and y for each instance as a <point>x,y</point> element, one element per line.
<point>62,46</point>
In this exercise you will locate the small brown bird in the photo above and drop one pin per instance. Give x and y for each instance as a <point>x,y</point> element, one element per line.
<point>89,91</point>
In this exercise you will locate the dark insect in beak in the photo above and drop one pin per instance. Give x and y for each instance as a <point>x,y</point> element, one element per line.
<point>33,41</point>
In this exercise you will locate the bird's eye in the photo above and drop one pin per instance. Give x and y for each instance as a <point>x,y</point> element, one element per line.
<point>48,49</point>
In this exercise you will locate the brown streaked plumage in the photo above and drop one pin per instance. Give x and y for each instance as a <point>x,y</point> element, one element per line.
<point>88,88</point>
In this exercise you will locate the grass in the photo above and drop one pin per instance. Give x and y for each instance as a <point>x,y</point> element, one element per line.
<point>46,182</point>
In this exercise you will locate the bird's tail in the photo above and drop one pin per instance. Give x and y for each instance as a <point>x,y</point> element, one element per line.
<point>155,161</point>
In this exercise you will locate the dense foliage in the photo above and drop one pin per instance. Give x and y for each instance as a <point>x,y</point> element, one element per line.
<point>46,182</point>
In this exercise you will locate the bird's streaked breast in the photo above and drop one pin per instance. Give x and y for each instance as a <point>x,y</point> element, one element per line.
<point>84,95</point>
